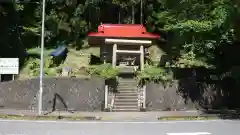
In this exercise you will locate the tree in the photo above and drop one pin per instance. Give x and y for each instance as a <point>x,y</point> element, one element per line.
<point>195,28</point>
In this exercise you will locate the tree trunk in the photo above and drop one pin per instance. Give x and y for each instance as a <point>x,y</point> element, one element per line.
<point>141,17</point>
<point>133,18</point>
<point>119,15</point>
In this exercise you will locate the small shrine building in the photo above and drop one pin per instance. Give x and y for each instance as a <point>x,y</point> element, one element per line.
<point>122,44</point>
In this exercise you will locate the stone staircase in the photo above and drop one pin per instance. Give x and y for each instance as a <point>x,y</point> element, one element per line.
<point>126,98</point>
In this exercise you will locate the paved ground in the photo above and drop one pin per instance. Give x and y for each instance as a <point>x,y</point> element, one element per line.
<point>218,127</point>
<point>144,116</point>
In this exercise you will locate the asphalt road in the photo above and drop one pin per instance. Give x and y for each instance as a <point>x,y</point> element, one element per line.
<point>219,127</point>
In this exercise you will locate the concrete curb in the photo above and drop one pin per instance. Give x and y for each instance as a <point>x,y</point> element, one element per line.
<point>71,118</point>
<point>106,116</point>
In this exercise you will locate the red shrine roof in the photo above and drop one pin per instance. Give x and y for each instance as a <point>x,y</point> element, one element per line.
<point>123,31</point>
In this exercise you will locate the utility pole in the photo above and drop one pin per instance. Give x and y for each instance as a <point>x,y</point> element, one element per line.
<point>40,98</point>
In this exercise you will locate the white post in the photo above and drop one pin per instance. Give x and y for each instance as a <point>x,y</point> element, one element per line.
<point>114,55</point>
<point>142,57</point>
<point>104,54</point>
<point>144,96</point>
<point>42,61</point>
<point>13,77</point>
<point>139,97</point>
<point>106,97</point>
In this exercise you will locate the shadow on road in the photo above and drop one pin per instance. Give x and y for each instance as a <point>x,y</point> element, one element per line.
<point>225,114</point>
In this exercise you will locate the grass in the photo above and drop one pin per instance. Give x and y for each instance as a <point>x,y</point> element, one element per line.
<point>189,118</point>
<point>71,118</point>
<point>78,60</point>
<point>37,51</point>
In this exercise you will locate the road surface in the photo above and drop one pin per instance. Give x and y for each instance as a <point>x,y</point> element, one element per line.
<point>218,127</point>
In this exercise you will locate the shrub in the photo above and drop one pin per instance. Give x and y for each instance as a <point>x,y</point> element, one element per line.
<point>50,69</point>
<point>105,71</point>
<point>155,74</point>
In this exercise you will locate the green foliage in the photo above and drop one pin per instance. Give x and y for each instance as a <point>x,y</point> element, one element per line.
<point>50,69</point>
<point>188,60</point>
<point>105,71</point>
<point>195,28</point>
<point>155,74</point>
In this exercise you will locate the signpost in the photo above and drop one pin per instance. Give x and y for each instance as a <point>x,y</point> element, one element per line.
<point>9,66</point>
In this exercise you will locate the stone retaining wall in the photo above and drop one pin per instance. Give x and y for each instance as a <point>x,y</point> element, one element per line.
<point>159,98</point>
<point>59,94</point>
<point>88,94</point>
<point>192,94</point>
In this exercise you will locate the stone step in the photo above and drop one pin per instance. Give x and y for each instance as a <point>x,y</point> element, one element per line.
<point>126,70</point>
<point>127,90</point>
<point>127,85</point>
<point>126,97</point>
<point>125,103</point>
<point>127,94</point>
<point>125,110</point>
<point>126,106</point>
<point>131,80</point>
<point>134,103</point>
<point>122,79</point>
<point>125,100</point>
<point>128,81</point>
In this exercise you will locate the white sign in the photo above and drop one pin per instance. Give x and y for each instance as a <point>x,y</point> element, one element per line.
<point>195,133</point>
<point>9,66</point>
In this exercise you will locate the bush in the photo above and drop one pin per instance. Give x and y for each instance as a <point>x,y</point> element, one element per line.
<point>50,69</point>
<point>155,74</point>
<point>105,71</point>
